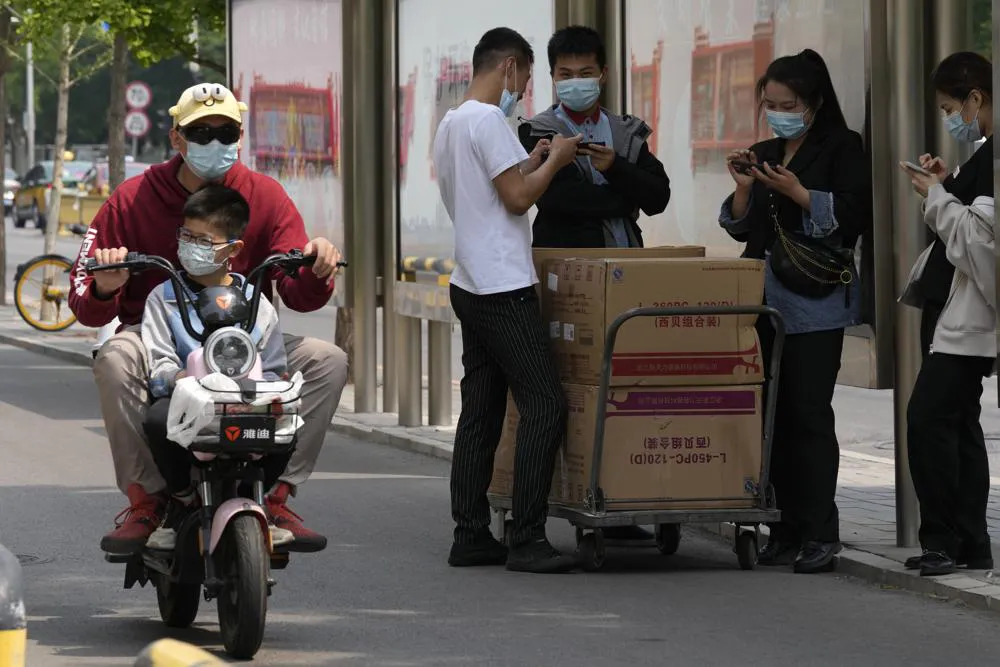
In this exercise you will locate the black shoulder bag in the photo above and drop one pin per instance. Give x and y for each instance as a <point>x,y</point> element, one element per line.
<point>806,266</point>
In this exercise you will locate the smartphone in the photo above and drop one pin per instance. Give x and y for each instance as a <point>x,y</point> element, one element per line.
<point>590,144</point>
<point>915,167</point>
<point>744,167</point>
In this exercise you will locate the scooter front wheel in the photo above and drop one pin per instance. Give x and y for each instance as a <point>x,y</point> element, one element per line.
<point>243,601</point>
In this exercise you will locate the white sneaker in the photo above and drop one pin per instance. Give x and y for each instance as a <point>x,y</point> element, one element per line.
<point>162,539</point>
<point>280,536</point>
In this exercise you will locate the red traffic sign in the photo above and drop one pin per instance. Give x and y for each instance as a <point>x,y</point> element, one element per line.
<point>136,123</point>
<point>138,95</point>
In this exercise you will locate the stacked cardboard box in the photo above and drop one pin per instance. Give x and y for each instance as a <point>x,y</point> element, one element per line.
<point>684,409</point>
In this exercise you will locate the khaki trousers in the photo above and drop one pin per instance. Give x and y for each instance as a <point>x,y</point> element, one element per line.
<point>121,372</point>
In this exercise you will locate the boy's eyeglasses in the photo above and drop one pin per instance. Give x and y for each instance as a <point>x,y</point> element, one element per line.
<point>204,134</point>
<point>200,241</point>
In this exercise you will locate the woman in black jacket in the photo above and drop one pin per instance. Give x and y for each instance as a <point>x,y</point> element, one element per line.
<point>804,196</point>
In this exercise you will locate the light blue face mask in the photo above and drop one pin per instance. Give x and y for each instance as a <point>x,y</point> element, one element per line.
<point>787,124</point>
<point>197,260</point>
<point>962,130</point>
<point>578,94</point>
<point>508,98</point>
<point>212,161</point>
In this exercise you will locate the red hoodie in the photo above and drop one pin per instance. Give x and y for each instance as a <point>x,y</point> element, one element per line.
<point>143,215</point>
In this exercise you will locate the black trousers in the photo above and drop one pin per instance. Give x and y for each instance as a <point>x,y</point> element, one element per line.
<point>947,451</point>
<point>504,345</point>
<point>805,455</point>
<point>174,462</point>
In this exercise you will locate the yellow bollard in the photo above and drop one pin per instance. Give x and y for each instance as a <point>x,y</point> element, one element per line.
<point>172,653</point>
<point>13,624</point>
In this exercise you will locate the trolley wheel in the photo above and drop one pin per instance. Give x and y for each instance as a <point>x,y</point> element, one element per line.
<point>668,538</point>
<point>590,551</point>
<point>746,550</point>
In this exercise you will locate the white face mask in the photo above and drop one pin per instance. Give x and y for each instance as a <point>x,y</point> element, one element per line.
<point>198,260</point>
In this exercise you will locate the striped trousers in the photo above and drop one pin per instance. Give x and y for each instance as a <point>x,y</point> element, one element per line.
<point>504,345</point>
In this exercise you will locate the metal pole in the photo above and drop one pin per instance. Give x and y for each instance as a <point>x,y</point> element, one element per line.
<point>390,200</point>
<point>410,350</point>
<point>365,96</point>
<point>29,123</point>
<point>905,30</point>
<point>996,150</point>
<point>439,408</point>
<point>613,30</point>
<point>950,32</point>
<point>135,147</point>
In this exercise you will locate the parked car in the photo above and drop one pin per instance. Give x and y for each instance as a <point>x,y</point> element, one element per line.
<point>10,188</point>
<point>31,201</point>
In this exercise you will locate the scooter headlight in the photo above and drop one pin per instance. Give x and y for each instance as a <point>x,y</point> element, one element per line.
<point>230,351</point>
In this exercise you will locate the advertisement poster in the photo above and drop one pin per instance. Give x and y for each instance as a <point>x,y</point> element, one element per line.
<point>435,67</point>
<point>287,65</point>
<point>693,69</point>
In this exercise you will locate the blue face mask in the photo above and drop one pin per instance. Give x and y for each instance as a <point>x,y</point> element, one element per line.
<point>787,125</point>
<point>578,94</point>
<point>961,130</point>
<point>198,261</point>
<point>508,98</point>
<point>212,161</point>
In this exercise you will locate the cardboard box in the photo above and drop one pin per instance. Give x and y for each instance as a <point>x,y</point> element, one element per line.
<point>542,255</point>
<point>502,483</point>
<point>583,297</point>
<point>666,445</point>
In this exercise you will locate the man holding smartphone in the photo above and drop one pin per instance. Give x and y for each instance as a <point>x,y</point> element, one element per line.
<point>594,202</point>
<point>488,183</point>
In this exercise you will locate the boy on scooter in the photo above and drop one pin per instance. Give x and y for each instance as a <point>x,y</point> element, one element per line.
<point>215,218</point>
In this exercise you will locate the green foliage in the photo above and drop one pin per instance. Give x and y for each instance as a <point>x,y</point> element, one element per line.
<point>982,27</point>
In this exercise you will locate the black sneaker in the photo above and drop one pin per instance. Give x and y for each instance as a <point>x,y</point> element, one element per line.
<point>777,553</point>
<point>484,551</point>
<point>817,557</point>
<point>936,563</point>
<point>539,557</point>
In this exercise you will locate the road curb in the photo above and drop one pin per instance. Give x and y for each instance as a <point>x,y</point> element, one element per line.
<point>48,350</point>
<point>864,565</point>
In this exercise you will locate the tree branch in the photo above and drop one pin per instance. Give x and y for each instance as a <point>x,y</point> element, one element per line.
<point>86,72</point>
<point>209,63</point>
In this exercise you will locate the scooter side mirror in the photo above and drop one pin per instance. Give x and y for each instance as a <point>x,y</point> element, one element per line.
<point>222,307</point>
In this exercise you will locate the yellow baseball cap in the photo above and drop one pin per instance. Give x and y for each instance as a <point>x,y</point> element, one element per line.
<point>206,99</point>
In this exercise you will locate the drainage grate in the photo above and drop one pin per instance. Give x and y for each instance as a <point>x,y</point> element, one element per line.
<point>31,559</point>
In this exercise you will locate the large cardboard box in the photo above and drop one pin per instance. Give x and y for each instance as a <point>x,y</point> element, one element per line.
<point>668,445</point>
<point>542,255</point>
<point>503,463</point>
<point>583,297</point>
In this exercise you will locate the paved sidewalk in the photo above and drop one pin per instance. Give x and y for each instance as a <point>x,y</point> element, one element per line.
<point>866,491</point>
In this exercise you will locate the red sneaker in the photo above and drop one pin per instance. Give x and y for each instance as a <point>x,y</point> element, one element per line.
<point>306,541</point>
<point>136,523</point>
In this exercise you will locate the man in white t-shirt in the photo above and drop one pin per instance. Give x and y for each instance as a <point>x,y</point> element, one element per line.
<point>488,183</point>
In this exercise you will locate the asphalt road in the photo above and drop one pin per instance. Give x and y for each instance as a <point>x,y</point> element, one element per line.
<point>381,594</point>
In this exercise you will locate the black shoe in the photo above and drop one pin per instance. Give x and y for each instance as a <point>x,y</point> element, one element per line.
<point>628,534</point>
<point>777,553</point>
<point>936,563</point>
<point>484,551</point>
<point>539,557</point>
<point>817,557</point>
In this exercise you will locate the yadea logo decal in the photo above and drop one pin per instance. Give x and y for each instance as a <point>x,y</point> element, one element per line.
<point>232,433</point>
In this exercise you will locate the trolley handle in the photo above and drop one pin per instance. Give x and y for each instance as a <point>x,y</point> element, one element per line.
<point>680,311</point>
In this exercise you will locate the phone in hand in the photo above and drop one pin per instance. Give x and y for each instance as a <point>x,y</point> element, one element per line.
<point>590,144</point>
<point>745,167</point>
<point>915,167</point>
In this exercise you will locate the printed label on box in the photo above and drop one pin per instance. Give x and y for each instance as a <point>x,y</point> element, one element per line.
<point>569,332</point>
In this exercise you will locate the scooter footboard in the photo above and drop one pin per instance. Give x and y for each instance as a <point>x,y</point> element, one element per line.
<point>228,511</point>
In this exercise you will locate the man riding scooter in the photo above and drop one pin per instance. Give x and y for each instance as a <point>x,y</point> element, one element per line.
<point>144,215</point>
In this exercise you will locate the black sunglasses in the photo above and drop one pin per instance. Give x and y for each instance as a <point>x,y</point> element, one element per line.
<point>204,134</point>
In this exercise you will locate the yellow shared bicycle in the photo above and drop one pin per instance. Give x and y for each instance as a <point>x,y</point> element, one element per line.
<point>41,290</point>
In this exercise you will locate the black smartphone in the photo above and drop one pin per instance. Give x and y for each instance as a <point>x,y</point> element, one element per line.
<point>744,166</point>
<point>590,144</point>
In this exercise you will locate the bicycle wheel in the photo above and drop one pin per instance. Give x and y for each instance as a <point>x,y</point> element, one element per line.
<point>41,293</point>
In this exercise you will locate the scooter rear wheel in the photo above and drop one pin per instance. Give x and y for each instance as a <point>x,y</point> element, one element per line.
<point>178,602</point>
<point>243,601</point>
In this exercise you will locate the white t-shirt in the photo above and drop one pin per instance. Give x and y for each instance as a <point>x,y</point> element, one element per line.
<point>474,144</point>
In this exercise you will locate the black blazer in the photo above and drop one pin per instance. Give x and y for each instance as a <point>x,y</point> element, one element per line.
<point>832,162</point>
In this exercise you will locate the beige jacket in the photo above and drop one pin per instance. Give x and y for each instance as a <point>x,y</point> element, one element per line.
<point>967,326</point>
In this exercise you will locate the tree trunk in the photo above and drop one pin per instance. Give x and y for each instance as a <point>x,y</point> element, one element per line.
<point>116,114</point>
<point>4,65</point>
<point>343,337</point>
<point>62,122</point>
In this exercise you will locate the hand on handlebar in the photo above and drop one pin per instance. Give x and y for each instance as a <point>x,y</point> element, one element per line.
<point>108,282</point>
<point>327,255</point>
